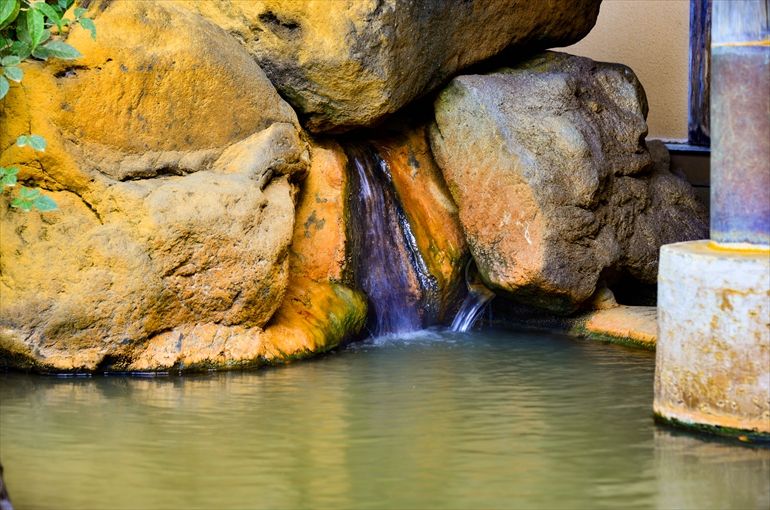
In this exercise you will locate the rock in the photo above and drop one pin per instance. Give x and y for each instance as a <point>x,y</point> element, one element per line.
<point>349,64</point>
<point>175,174</point>
<point>602,299</point>
<point>635,326</point>
<point>556,188</point>
<point>408,248</point>
<point>669,213</point>
<point>322,308</point>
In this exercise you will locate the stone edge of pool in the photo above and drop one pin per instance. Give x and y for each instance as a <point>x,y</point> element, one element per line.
<point>630,326</point>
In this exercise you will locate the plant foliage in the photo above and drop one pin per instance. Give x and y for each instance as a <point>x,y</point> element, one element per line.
<point>32,29</point>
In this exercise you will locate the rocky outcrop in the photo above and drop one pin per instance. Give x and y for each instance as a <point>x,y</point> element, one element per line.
<point>349,64</point>
<point>175,177</point>
<point>199,227</point>
<point>321,307</point>
<point>556,188</point>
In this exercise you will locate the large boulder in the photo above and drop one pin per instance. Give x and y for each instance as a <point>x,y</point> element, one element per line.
<point>557,190</point>
<point>174,163</point>
<point>349,64</point>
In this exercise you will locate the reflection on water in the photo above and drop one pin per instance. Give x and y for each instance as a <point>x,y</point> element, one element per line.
<point>693,473</point>
<point>432,419</point>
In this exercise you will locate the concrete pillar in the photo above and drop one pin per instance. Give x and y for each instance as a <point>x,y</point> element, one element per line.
<point>713,350</point>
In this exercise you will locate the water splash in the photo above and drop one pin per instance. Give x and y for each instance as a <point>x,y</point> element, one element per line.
<point>475,302</point>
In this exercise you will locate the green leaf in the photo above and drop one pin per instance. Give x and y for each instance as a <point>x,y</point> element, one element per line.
<point>44,203</point>
<point>13,73</point>
<point>22,141</point>
<point>18,202</point>
<point>88,24</point>
<point>79,11</point>
<point>9,180</point>
<point>10,60</point>
<point>22,34</point>
<point>29,193</point>
<point>50,13</point>
<point>21,50</point>
<point>11,171</point>
<point>4,87</point>
<point>62,50</point>
<point>41,52</point>
<point>35,26</point>
<point>6,9</point>
<point>11,17</point>
<point>37,142</point>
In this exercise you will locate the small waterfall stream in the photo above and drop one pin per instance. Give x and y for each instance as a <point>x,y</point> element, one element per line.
<point>475,302</point>
<point>388,265</point>
<point>403,295</point>
<point>471,309</point>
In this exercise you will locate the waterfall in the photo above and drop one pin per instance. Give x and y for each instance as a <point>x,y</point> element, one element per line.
<point>475,302</point>
<point>388,266</point>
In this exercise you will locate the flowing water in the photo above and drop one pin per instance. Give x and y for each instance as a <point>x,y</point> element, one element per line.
<point>490,419</point>
<point>388,265</point>
<point>470,310</point>
<point>475,301</point>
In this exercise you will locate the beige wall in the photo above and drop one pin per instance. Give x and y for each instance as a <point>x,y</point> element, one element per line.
<point>652,38</point>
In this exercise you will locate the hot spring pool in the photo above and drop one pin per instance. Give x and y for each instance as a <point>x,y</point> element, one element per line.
<point>490,419</point>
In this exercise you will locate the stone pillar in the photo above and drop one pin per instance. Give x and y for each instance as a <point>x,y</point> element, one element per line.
<point>713,351</point>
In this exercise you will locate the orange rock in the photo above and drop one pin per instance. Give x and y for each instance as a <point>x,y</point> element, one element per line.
<point>319,243</point>
<point>557,191</point>
<point>318,311</point>
<point>635,325</point>
<point>321,307</point>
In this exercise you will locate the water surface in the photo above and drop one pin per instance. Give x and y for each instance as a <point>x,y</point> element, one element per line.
<point>493,419</point>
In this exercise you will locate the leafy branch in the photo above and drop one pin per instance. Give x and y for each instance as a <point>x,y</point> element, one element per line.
<point>32,30</point>
<point>28,198</point>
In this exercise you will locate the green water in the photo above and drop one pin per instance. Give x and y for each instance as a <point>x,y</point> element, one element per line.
<point>432,420</point>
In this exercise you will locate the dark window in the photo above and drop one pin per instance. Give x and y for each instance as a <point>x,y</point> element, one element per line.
<point>699,120</point>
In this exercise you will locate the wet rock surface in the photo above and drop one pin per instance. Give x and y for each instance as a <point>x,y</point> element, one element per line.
<point>408,247</point>
<point>349,64</point>
<point>556,187</point>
